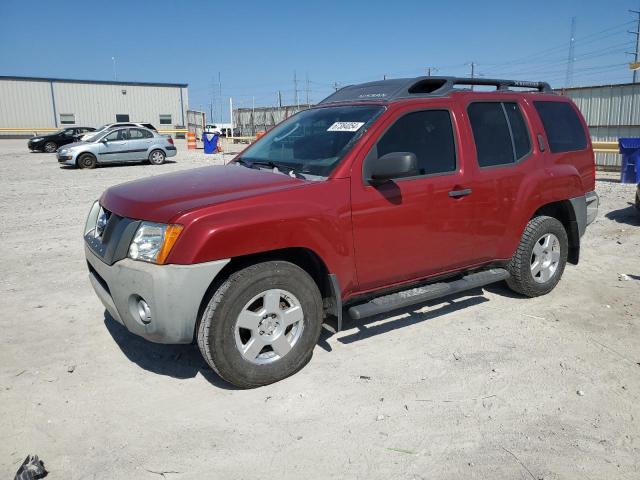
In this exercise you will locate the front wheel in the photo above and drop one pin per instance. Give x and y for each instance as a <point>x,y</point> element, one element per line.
<point>538,263</point>
<point>86,160</point>
<point>157,157</point>
<point>262,324</point>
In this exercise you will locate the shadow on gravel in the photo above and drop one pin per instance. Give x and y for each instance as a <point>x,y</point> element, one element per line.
<point>177,361</point>
<point>455,303</point>
<point>114,165</point>
<point>628,215</point>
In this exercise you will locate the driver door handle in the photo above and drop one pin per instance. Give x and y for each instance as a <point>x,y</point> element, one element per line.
<point>460,193</point>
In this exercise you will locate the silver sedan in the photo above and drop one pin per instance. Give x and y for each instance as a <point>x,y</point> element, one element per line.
<point>118,145</point>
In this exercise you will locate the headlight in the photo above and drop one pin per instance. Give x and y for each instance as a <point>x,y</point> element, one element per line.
<point>153,242</point>
<point>37,139</point>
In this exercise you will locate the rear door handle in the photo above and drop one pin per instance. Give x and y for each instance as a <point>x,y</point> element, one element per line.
<point>460,193</point>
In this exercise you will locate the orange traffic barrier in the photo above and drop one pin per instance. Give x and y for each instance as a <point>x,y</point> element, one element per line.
<point>260,134</point>
<point>191,141</point>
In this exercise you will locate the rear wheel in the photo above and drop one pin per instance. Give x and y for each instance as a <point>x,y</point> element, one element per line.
<point>262,324</point>
<point>86,160</point>
<point>157,157</point>
<point>537,265</point>
<point>50,147</point>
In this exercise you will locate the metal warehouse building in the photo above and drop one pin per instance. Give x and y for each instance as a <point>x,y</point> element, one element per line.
<point>611,111</point>
<point>38,104</point>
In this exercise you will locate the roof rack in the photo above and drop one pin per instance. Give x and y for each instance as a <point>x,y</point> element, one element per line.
<point>402,88</point>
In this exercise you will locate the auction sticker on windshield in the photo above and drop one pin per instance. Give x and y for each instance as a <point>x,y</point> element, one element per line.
<point>345,127</point>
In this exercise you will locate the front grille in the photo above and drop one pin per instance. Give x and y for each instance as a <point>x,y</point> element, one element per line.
<point>111,237</point>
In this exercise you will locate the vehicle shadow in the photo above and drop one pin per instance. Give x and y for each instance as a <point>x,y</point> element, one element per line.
<point>177,361</point>
<point>120,164</point>
<point>628,215</point>
<point>455,302</point>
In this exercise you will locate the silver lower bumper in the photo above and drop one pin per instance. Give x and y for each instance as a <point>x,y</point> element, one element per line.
<point>173,293</point>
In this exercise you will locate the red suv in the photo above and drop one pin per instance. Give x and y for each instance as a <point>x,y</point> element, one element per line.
<point>383,196</point>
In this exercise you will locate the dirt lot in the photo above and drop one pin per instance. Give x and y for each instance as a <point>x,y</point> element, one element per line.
<point>483,385</point>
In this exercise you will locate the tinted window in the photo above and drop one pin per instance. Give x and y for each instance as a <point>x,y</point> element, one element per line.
<point>137,133</point>
<point>491,134</point>
<point>521,142</point>
<point>562,126</point>
<point>427,134</point>
<point>122,117</point>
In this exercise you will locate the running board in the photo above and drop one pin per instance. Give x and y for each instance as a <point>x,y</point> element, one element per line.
<point>423,294</point>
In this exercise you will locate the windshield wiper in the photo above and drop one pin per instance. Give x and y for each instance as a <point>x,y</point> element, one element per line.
<point>280,166</point>
<point>244,163</point>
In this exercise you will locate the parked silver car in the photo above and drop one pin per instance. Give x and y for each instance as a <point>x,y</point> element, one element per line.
<point>118,145</point>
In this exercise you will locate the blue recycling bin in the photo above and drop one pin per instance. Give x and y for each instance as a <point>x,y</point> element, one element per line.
<point>630,150</point>
<point>210,140</point>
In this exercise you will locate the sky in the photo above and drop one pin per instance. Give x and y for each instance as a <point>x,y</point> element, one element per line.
<point>256,48</point>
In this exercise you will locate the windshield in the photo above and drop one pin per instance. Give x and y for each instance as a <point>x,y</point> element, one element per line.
<point>312,141</point>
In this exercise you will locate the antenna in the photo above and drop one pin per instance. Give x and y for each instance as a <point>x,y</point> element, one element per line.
<point>568,82</point>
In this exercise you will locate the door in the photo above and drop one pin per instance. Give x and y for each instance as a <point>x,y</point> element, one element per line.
<point>503,151</point>
<point>140,141</point>
<point>114,148</point>
<point>409,228</point>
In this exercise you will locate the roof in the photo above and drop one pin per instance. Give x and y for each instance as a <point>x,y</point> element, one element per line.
<point>403,88</point>
<point>98,82</point>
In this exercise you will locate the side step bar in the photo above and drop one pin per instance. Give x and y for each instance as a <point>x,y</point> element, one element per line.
<point>418,295</point>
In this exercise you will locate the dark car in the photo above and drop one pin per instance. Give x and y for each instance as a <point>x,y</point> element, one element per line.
<point>50,143</point>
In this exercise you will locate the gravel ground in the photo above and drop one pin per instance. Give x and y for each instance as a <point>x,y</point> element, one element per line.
<point>482,385</point>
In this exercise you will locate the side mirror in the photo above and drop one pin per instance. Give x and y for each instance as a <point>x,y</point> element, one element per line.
<point>104,140</point>
<point>392,165</point>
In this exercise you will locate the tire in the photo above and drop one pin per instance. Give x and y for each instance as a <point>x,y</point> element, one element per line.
<point>537,265</point>
<point>86,161</point>
<point>258,293</point>
<point>157,157</point>
<point>637,204</point>
<point>50,147</point>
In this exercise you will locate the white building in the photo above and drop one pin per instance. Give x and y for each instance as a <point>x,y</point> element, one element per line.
<point>36,103</point>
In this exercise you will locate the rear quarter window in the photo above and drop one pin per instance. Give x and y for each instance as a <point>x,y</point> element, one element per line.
<point>562,125</point>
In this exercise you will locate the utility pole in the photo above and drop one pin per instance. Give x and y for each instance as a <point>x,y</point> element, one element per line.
<point>568,82</point>
<point>295,89</point>
<point>431,69</point>
<point>473,69</point>
<point>279,99</point>
<point>220,96</point>
<point>115,75</point>
<point>335,86</point>
<point>636,54</point>
<point>231,114</point>
<point>253,115</point>
<point>212,102</point>
<point>307,87</point>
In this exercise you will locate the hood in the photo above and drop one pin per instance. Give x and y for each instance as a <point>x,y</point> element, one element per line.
<point>71,145</point>
<point>161,198</point>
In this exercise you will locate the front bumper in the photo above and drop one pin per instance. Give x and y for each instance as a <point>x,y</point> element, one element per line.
<point>35,145</point>
<point>173,293</point>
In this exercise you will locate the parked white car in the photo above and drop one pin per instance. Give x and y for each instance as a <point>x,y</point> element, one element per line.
<point>108,126</point>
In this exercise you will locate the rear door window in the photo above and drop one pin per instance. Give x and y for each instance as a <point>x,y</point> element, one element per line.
<point>562,125</point>
<point>428,134</point>
<point>500,133</point>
